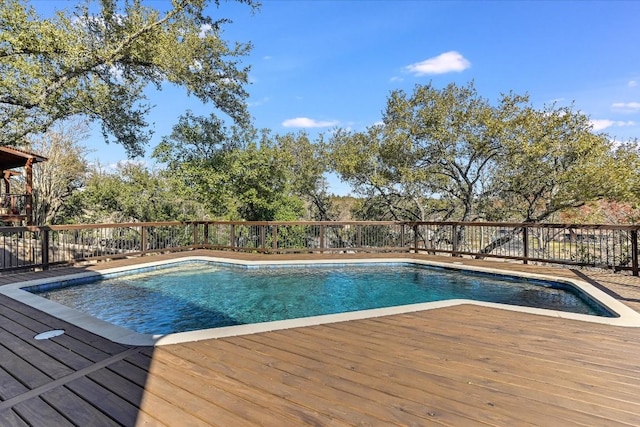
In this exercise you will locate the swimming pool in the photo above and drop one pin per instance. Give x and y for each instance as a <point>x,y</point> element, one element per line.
<point>193,295</point>
<point>274,297</point>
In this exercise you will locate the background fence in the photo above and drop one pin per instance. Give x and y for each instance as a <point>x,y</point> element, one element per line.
<point>607,246</point>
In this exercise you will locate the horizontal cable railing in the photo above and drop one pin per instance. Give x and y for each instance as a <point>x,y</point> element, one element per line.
<point>607,246</point>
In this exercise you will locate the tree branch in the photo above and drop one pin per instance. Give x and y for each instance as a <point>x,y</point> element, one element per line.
<point>62,79</point>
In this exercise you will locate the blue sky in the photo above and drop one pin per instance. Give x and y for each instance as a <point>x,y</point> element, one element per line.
<point>317,65</point>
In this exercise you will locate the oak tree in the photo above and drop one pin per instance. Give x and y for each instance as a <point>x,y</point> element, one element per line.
<point>98,59</point>
<point>450,154</point>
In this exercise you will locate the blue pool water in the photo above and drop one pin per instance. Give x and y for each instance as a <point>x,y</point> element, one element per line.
<point>199,295</point>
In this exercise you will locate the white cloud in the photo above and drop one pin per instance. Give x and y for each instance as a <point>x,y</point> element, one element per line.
<point>444,63</point>
<point>616,143</point>
<point>204,30</point>
<point>305,122</point>
<point>627,106</point>
<point>632,83</point>
<point>267,58</point>
<point>396,79</point>
<point>600,124</point>
<point>259,102</point>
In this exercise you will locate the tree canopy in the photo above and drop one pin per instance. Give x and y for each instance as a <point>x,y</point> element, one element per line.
<point>450,154</point>
<point>439,154</point>
<point>551,161</point>
<point>64,172</point>
<point>97,59</point>
<point>241,173</point>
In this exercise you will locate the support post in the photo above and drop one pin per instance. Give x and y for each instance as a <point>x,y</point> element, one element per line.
<point>634,252</point>
<point>454,240</point>
<point>143,239</point>
<point>232,236</point>
<point>44,247</point>
<point>275,238</point>
<point>195,235</point>
<point>29,190</point>
<point>7,182</point>
<point>525,242</point>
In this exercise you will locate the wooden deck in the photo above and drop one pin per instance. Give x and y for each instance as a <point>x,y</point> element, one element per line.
<point>458,366</point>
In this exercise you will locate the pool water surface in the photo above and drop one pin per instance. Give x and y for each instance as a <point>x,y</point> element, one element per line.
<point>190,296</point>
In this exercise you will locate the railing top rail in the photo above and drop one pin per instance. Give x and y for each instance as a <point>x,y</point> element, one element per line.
<point>12,229</point>
<point>119,225</point>
<point>515,225</point>
<point>627,227</point>
<point>332,223</point>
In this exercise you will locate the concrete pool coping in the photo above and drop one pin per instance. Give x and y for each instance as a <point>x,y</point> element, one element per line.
<point>627,317</point>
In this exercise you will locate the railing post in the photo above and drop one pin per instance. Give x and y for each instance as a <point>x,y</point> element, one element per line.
<point>232,236</point>
<point>143,239</point>
<point>402,236</point>
<point>206,234</point>
<point>322,238</point>
<point>263,235</point>
<point>525,242</point>
<point>275,237</point>
<point>415,238</point>
<point>634,252</point>
<point>454,240</point>
<point>44,247</point>
<point>195,235</point>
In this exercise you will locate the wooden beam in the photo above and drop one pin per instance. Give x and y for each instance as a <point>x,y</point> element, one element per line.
<point>29,190</point>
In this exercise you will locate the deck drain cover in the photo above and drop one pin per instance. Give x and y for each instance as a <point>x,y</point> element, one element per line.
<point>49,334</point>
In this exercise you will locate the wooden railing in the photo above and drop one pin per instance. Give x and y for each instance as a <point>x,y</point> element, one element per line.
<point>605,246</point>
<point>14,208</point>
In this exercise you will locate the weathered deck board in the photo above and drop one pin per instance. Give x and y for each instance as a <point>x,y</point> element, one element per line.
<point>463,365</point>
<point>9,418</point>
<point>105,400</point>
<point>10,386</point>
<point>37,359</point>
<point>37,412</point>
<point>56,351</point>
<point>77,340</point>
<point>73,407</point>
<point>20,369</point>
